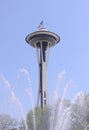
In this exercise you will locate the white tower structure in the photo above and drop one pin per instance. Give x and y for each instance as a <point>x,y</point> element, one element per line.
<point>42,40</point>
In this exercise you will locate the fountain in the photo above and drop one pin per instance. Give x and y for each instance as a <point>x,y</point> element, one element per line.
<point>87,128</point>
<point>12,100</point>
<point>63,114</point>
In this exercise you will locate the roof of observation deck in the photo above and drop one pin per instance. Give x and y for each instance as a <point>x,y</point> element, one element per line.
<point>42,35</point>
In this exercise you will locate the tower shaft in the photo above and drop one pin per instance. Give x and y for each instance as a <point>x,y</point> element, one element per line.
<point>43,83</point>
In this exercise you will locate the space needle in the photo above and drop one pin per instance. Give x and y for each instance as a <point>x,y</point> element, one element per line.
<point>42,40</point>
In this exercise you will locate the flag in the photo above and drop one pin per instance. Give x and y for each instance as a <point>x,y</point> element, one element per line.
<point>41,25</point>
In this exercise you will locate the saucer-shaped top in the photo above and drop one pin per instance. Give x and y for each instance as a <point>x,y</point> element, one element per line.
<point>42,36</point>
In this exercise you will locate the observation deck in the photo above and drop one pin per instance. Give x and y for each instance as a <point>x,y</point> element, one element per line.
<point>44,36</point>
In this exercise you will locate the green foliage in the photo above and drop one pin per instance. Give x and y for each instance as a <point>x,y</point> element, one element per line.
<point>80,112</point>
<point>6,122</point>
<point>41,117</point>
<point>77,113</point>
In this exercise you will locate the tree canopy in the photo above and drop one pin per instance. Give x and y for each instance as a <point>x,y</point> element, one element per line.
<point>6,122</point>
<point>72,116</point>
<point>41,119</point>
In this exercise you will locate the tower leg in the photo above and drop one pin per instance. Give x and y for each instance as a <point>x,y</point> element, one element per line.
<point>43,84</point>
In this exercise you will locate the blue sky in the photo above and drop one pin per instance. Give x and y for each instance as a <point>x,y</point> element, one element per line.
<point>69,19</point>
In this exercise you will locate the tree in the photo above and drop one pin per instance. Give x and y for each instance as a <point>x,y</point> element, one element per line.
<point>41,119</point>
<point>43,116</point>
<point>63,115</point>
<point>6,122</point>
<point>80,112</point>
